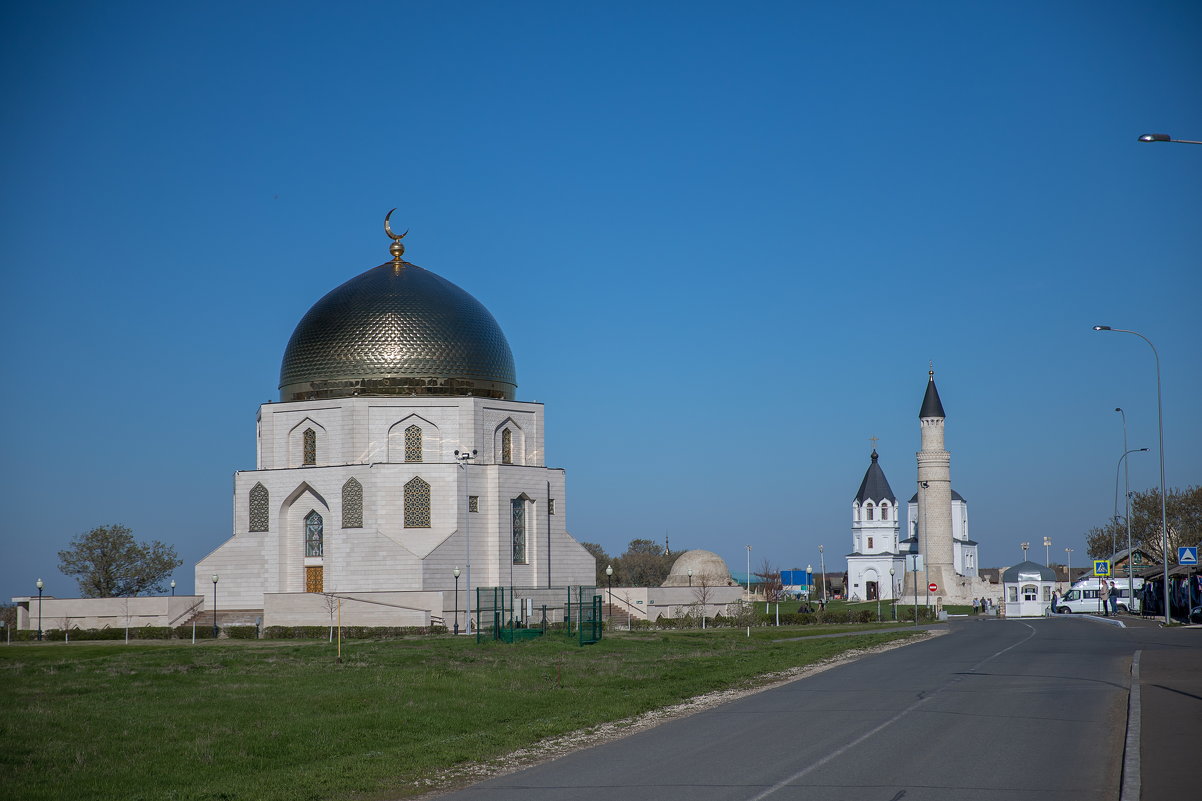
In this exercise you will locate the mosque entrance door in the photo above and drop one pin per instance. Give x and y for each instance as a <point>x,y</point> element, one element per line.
<point>872,590</point>
<point>313,579</point>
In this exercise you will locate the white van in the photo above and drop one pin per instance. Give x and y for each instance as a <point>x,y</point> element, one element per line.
<point>1083,597</point>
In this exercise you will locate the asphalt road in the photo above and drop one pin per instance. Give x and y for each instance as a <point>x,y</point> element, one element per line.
<point>995,709</point>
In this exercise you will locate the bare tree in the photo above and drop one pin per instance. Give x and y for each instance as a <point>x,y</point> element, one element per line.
<point>769,581</point>
<point>65,621</point>
<point>331,604</point>
<point>702,591</point>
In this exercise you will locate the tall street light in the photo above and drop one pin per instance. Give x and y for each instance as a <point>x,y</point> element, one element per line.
<point>40,585</point>
<point>822,567</point>
<point>893,590</point>
<point>214,606</point>
<point>609,580</point>
<point>1167,138</point>
<point>749,573</point>
<point>1047,548</point>
<point>1068,565</point>
<point>463,457</point>
<point>1164,515</point>
<point>1127,512</point>
<point>809,581</point>
<point>172,588</point>
<point>1119,409</point>
<point>456,572</point>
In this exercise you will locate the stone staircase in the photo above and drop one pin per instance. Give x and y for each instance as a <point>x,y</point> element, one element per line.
<point>615,616</point>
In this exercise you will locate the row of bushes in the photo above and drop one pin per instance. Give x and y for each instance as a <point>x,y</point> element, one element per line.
<point>845,616</point>
<point>348,632</point>
<point>205,632</point>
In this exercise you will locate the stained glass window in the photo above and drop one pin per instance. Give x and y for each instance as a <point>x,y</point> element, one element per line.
<point>314,535</point>
<point>259,502</point>
<point>519,530</point>
<point>417,503</point>
<point>310,445</point>
<point>473,503</point>
<point>506,446</point>
<point>550,506</point>
<point>352,504</point>
<point>413,444</point>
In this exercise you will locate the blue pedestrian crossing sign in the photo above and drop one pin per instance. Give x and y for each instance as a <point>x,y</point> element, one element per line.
<point>1101,567</point>
<point>1187,555</point>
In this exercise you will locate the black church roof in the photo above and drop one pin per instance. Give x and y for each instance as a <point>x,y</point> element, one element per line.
<point>931,405</point>
<point>875,487</point>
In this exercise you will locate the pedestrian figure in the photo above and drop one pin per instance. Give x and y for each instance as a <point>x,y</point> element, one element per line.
<point>1055,600</point>
<point>974,605</point>
<point>1114,599</point>
<point>1104,597</point>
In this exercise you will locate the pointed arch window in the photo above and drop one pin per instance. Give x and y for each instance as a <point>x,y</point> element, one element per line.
<point>518,518</point>
<point>413,444</point>
<point>352,504</point>
<point>309,455</point>
<point>868,511</point>
<point>417,503</point>
<point>314,535</point>
<point>259,503</point>
<point>506,446</point>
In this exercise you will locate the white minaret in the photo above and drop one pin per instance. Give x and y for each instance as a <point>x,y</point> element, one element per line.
<point>934,497</point>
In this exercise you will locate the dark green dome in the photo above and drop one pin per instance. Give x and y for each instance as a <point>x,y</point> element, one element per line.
<point>397,329</point>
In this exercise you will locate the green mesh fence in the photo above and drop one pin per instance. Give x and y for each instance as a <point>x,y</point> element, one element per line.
<point>522,613</point>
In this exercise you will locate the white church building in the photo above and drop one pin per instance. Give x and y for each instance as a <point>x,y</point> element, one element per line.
<point>937,528</point>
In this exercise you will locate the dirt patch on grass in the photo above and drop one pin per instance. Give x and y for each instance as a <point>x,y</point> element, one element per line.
<point>552,748</point>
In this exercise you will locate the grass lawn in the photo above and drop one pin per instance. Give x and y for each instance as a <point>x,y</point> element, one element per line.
<point>269,720</point>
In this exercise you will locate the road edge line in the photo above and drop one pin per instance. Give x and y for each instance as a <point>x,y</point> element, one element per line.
<point>1131,777</point>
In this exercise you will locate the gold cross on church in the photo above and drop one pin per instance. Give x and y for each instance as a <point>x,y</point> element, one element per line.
<point>875,440</point>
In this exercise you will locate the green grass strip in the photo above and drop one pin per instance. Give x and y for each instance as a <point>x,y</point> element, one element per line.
<point>267,721</point>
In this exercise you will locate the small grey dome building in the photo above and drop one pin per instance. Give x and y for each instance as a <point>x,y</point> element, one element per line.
<point>692,568</point>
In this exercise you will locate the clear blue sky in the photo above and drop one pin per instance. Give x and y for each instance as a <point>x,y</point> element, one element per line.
<point>724,240</point>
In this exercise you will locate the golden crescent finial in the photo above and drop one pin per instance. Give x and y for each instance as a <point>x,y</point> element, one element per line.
<point>397,249</point>
<point>388,228</point>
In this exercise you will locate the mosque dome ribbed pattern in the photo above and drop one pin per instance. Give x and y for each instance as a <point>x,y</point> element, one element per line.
<point>397,329</point>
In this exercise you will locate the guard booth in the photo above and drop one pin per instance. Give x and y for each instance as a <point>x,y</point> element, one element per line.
<point>1027,588</point>
<point>522,613</point>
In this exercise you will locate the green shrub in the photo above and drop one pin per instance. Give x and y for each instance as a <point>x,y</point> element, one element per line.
<point>203,632</point>
<point>242,632</point>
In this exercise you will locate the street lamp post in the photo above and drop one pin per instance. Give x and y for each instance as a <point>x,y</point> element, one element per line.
<point>1068,565</point>
<point>1167,138</point>
<point>749,573</point>
<point>893,590</point>
<point>822,578</point>
<point>456,571</point>
<point>1116,483</point>
<point>1164,516</point>
<point>40,585</point>
<point>609,580</point>
<point>463,457</point>
<point>809,582</point>
<point>172,588</point>
<point>1126,507</point>
<point>1025,546</point>
<point>690,577</point>
<point>214,606</point>
<point>1047,549</point>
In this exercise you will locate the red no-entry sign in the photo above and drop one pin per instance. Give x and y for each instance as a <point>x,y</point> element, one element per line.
<point>932,586</point>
